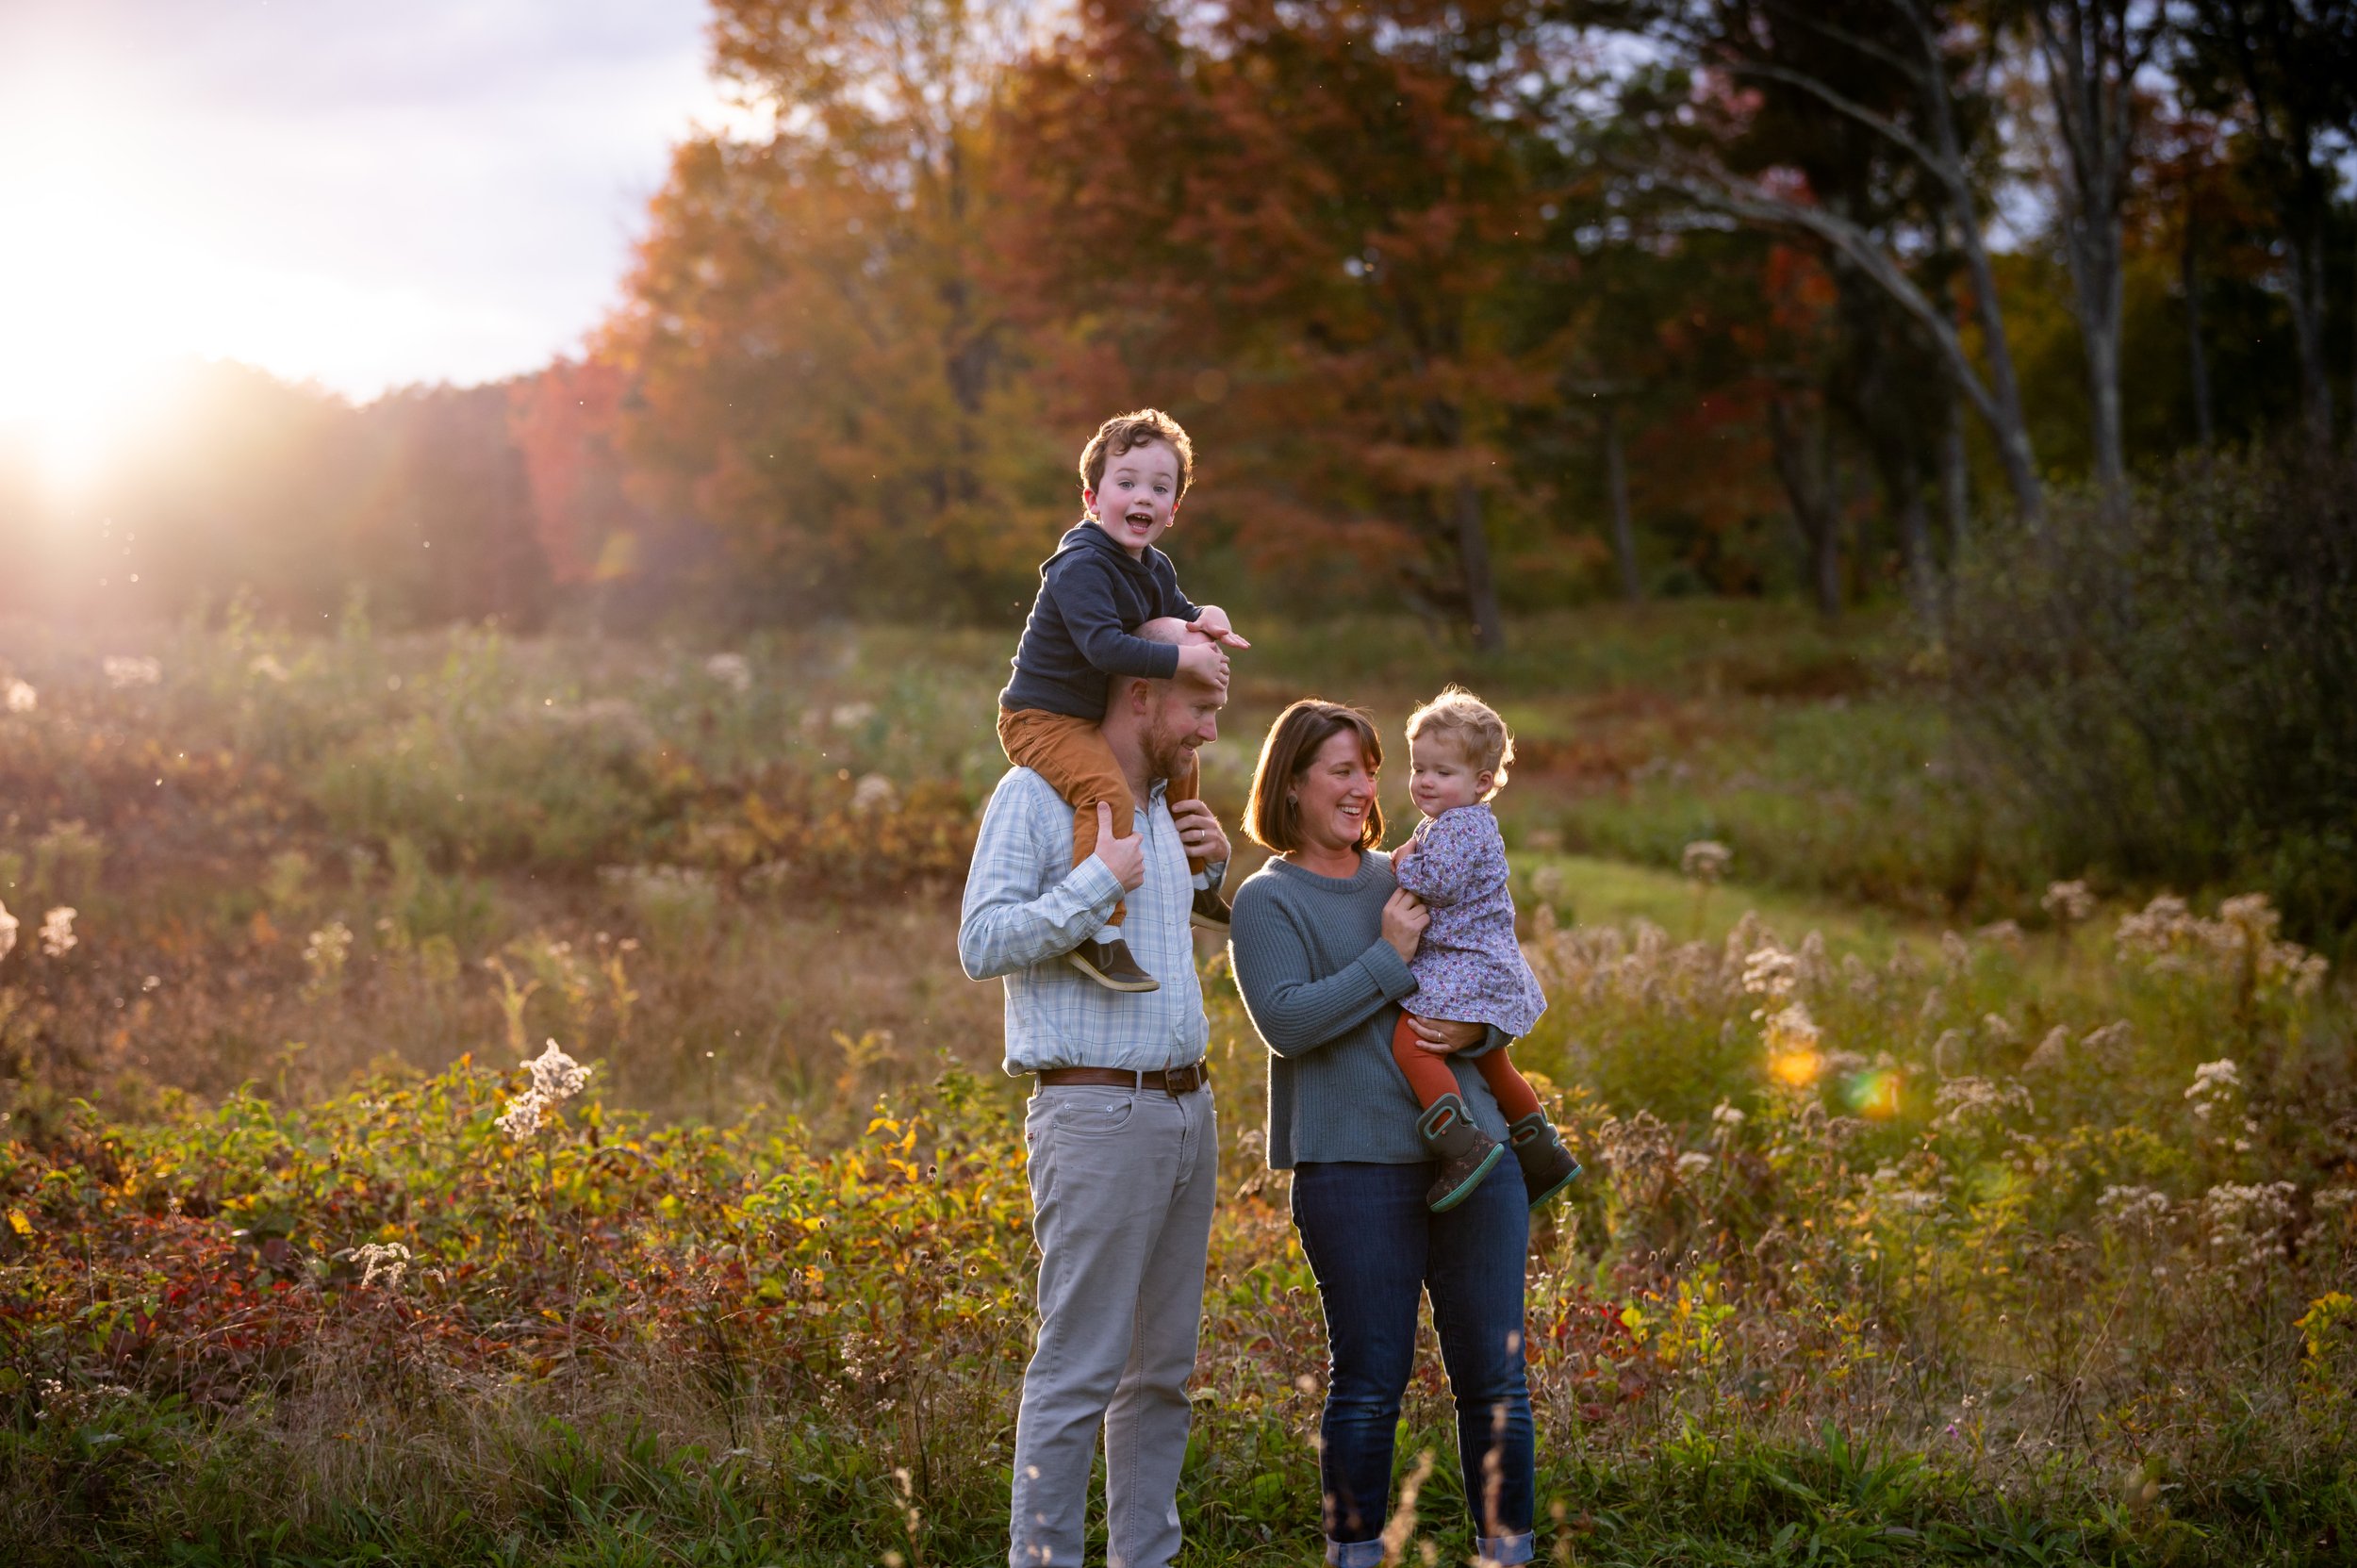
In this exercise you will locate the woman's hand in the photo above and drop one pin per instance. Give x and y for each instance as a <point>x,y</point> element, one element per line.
<point>1446,1037</point>
<point>1403,919</point>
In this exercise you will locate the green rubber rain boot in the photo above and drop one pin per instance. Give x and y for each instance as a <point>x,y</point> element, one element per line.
<point>1547,1165</point>
<point>1465,1152</point>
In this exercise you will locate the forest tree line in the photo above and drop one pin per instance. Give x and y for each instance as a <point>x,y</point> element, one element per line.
<point>1472,307</point>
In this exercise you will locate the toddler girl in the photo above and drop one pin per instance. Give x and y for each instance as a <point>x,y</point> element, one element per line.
<point>1468,966</point>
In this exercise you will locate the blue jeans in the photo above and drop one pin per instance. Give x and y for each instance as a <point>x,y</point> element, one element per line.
<point>1375,1248</point>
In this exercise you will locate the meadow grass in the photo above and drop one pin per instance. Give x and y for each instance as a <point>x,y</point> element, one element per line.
<point>1898,1242</point>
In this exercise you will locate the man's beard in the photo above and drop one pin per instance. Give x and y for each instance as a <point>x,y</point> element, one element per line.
<point>1168,757</point>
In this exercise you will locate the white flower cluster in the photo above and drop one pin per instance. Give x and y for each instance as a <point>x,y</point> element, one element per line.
<point>1706,861</point>
<point>2167,937</point>
<point>2244,1224</point>
<point>57,931</point>
<point>21,697</point>
<point>874,792</point>
<point>2068,903</point>
<point>732,670</point>
<point>2138,1209</point>
<point>327,948</point>
<point>390,1259</point>
<point>1772,973</point>
<point>125,670</point>
<point>1964,1102</point>
<point>2215,1087</point>
<point>555,1078</point>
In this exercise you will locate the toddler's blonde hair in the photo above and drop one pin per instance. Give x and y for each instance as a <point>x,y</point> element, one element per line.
<point>1473,727</point>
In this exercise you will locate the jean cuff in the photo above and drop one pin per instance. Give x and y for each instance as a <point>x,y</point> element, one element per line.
<point>1506,1551</point>
<point>1357,1554</point>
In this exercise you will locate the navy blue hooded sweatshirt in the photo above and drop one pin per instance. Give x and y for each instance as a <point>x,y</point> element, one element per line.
<point>1093,595</point>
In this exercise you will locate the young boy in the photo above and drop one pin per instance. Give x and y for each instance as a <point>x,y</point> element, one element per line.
<point>1105,580</point>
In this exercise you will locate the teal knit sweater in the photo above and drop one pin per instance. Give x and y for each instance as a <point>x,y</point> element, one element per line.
<point>1323,988</point>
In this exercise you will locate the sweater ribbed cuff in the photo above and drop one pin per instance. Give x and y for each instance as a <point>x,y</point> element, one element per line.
<point>1390,972</point>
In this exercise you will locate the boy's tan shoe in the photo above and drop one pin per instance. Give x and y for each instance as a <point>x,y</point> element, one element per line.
<point>1211,912</point>
<point>1111,966</point>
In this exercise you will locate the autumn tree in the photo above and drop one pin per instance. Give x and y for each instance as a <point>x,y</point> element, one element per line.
<point>819,369</point>
<point>1324,203</point>
<point>1912,76</point>
<point>2285,73</point>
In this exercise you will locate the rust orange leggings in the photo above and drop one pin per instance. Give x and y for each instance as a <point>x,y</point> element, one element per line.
<point>1429,1075</point>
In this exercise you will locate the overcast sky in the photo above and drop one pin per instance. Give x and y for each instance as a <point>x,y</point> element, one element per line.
<point>358,193</point>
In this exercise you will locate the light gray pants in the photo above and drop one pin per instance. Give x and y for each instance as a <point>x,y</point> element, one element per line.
<point>1122,1184</point>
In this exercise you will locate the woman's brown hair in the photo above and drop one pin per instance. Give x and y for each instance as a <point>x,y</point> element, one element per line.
<point>1272,818</point>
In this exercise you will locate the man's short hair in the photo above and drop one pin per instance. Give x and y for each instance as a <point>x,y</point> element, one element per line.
<point>1167,630</point>
<point>1127,432</point>
<point>1272,818</point>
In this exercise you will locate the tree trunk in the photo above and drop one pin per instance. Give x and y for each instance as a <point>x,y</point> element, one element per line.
<point>2204,432</point>
<point>1955,486</point>
<point>2097,272</point>
<point>1804,454</point>
<point>2307,301</point>
<point>1616,485</point>
<point>1473,554</point>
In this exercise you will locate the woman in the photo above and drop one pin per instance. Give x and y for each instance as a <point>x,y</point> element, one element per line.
<point>1321,939</point>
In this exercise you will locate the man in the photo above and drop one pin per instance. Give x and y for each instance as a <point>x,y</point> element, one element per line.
<point>1123,1146</point>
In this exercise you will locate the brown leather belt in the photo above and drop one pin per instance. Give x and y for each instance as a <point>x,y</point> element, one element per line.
<point>1179,1081</point>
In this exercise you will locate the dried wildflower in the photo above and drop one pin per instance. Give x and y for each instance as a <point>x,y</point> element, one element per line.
<point>22,698</point>
<point>1770,972</point>
<point>557,1077</point>
<point>8,924</point>
<point>2051,1053</point>
<point>2131,1208</point>
<point>124,670</point>
<point>1726,1117</point>
<point>267,666</point>
<point>2002,933</point>
<point>2068,903</point>
<point>57,931</point>
<point>1706,861</point>
<point>1955,949</point>
<point>1693,1164</point>
<point>732,670</point>
<point>2244,1224</point>
<point>2215,1087</point>
<point>2109,1043</point>
<point>1966,1102</point>
<point>390,1259</point>
<point>521,1118</point>
<point>325,950</point>
<point>874,792</point>
<point>851,716</point>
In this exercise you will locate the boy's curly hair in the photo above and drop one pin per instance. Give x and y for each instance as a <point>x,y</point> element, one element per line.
<point>1473,727</point>
<point>1124,432</point>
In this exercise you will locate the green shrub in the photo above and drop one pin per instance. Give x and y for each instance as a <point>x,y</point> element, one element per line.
<point>2170,689</point>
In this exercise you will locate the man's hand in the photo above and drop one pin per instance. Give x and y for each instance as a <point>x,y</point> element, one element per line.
<point>1212,622</point>
<point>1124,857</point>
<point>1200,833</point>
<point>1203,662</point>
<point>1446,1037</point>
<point>1403,919</point>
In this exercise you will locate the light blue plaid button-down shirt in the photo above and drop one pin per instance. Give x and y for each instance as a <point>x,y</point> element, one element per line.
<point>1027,905</point>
